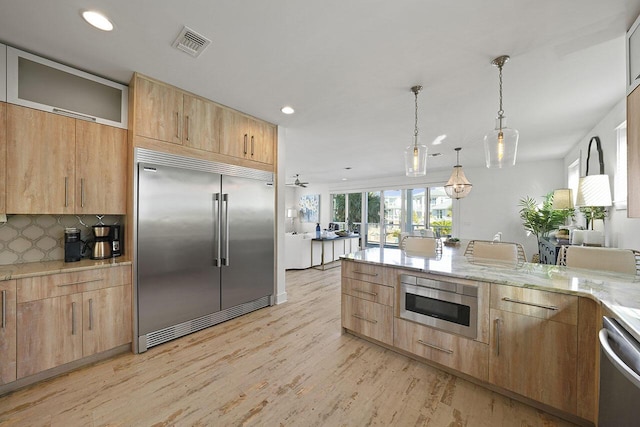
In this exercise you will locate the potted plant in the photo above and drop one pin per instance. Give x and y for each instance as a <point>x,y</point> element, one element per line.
<point>540,220</point>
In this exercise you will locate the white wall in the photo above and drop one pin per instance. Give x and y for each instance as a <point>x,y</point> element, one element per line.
<point>491,206</point>
<point>621,232</point>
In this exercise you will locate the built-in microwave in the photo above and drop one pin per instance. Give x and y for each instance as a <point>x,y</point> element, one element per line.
<point>452,307</point>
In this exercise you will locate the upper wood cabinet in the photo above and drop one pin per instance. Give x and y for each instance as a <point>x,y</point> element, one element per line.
<point>40,162</point>
<point>633,154</point>
<point>3,156</point>
<point>60,165</point>
<point>168,114</point>
<point>248,138</point>
<point>101,169</point>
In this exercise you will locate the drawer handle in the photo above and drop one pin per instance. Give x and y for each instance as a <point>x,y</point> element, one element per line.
<point>4,309</point>
<point>245,144</point>
<point>90,314</point>
<point>73,318</point>
<point>82,192</point>
<point>80,283</point>
<point>435,347</point>
<point>497,337</point>
<point>357,316</point>
<point>548,307</point>
<point>365,274</point>
<point>373,294</point>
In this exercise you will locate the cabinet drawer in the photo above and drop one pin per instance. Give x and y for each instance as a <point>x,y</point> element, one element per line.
<point>364,272</point>
<point>368,318</point>
<point>530,302</point>
<point>461,354</point>
<point>54,285</point>
<point>368,291</point>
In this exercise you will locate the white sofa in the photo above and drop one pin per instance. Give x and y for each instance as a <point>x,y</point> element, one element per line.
<point>297,251</point>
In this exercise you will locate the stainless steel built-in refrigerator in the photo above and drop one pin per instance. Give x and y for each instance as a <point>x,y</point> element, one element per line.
<point>204,244</point>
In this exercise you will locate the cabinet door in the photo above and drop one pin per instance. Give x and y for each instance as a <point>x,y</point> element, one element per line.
<point>535,358</point>
<point>49,333</point>
<point>3,155</point>
<point>8,331</point>
<point>106,319</point>
<point>633,154</point>
<point>236,133</point>
<point>158,111</point>
<point>101,169</point>
<point>202,124</point>
<point>262,142</point>
<point>368,318</point>
<point>40,162</point>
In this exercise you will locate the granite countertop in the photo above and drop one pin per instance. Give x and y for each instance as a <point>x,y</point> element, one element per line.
<point>620,293</point>
<point>31,269</point>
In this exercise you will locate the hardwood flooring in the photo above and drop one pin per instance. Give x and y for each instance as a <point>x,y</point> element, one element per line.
<point>287,365</point>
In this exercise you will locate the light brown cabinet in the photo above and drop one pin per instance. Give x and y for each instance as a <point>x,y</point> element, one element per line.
<point>8,331</point>
<point>368,318</point>
<point>633,154</point>
<point>535,345</point>
<point>65,317</point>
<point>60,165</point>
<point>168,114</point>
<point>247,138</point>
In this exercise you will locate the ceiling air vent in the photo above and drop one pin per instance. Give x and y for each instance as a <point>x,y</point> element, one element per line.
<point>191,42</point>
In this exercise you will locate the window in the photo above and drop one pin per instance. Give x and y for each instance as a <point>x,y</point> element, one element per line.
<point>573,178</point>
<point>346,210</point>
<point>620,183</point>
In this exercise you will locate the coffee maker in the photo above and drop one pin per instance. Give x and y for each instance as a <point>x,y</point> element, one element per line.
<point>117,242</point>
<point>102,242</point>
<point>72,245</point>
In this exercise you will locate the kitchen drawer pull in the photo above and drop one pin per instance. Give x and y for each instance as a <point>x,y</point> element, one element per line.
<point>435,347</point>
<point>497,337</point>
<point>365,274</point>
<point>548,307</point>
<point>66,191</point>
<point>357,316</point>
<point>177,125</point>
<point>245,143</point>
<point>4,309</point>
<point>90,314</point>
<point>82,192</point>
<point>252,144</point>
<point>73,318</point>
<point>186,129</point>
<point>373,294</point>
<point>80,283</point>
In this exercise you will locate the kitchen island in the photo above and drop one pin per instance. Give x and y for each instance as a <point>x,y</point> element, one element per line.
<point>536,331</point>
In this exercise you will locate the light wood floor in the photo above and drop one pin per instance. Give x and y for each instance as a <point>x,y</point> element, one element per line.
<point>288,365</point>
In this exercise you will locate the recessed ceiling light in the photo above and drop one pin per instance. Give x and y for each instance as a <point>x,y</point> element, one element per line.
<point>287,110</point>
<point>439,139</point>
<point>98,20</point>
<point>344,179</point>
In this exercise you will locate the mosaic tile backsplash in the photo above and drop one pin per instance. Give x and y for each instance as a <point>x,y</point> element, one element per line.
<point>34,238</point>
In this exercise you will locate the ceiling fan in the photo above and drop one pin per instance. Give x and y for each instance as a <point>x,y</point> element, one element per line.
<point>299,183</point>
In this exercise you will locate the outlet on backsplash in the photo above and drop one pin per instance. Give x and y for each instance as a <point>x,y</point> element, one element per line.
<point>34,238</point>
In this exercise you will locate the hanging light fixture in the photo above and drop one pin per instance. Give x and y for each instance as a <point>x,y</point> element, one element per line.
<point>458,185</point>
<point>501,144</point>
<point>415,156</point>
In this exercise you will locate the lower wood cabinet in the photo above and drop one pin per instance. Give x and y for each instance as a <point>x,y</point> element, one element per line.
<point>462,354</point>
<point>535,345</point>
<point>8,331</point>
<point>368,318</point>
<point>65,317</point>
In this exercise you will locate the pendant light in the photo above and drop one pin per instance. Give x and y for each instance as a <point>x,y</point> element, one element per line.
<point>501,144</point>
<point>458,185</point>
<point>415,156</point>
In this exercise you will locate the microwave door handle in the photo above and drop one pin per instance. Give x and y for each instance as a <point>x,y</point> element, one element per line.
<point>225,255</point>
<point>216,230</point>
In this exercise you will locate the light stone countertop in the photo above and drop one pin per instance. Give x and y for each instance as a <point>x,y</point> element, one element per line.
<point>620,293</point>
<point>31,269</point>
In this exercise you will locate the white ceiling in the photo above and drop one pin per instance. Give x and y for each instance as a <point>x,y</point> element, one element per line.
<point>347,68</point>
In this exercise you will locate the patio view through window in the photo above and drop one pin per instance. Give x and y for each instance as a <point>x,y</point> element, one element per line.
<point>410,210</point>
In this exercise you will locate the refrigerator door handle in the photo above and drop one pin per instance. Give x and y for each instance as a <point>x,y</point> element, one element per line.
<point>225,256</point>
<point>216,230</point>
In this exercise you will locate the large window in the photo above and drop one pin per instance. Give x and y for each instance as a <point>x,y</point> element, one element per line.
<point>386,214</point>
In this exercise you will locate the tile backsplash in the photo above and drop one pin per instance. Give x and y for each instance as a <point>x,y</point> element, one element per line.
<point>33,238</point>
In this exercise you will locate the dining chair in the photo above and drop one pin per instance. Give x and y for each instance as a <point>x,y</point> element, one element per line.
<point>500,251</point>
<point>600,258</point>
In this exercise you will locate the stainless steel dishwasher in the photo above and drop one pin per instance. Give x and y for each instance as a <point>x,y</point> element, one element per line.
<point>619,403</point>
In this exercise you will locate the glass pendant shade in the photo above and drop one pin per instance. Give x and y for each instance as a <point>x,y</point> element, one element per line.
<point>458,185</point>
<point>501,146</point>
<point>415,160</point>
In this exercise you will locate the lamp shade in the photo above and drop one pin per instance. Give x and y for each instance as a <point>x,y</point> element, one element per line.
<point>458,185</point>
<point>594,190</point>
<point>292,213</point>
<point>562,199</point>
